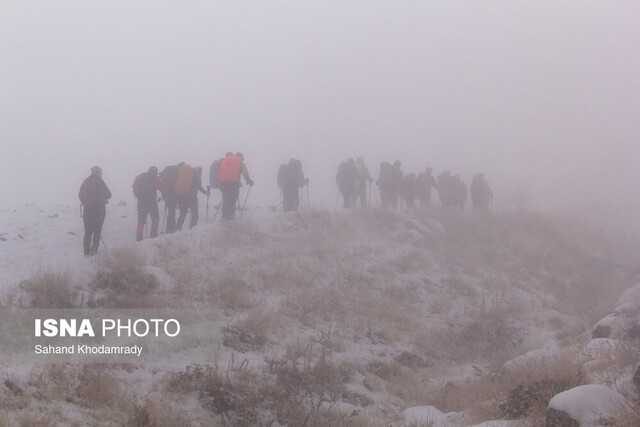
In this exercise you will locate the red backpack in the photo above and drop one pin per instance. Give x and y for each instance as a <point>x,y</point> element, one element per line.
<point>230,169</point>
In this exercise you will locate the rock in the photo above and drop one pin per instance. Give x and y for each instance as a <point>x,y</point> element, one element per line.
<point>629,301</point>
<point>431,416</point>
<point>585,406</point>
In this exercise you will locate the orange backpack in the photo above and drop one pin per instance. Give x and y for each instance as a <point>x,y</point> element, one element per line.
<point>230,169</point>
<point>184,181</point>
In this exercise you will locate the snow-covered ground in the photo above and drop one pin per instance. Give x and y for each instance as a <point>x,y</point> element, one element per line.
<point>429,309</point>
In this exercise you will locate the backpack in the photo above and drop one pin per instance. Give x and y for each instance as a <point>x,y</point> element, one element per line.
<point>167,180</point>
<point>230,169</point>
<point>138,185</point>
<point>94,191</point>
<point>184,180</point>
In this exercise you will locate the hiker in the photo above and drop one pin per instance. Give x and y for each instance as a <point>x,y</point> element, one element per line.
<point>385,184</point>
<point>290,180</point>
<point>192,204</point>
<point>184,192</point>
<point>347,180</point>
<point>397,178</point>
<point>460,192</point>
<point>213,174</point>
<point>167,187</point>
<point>481,193</point>
<point>230,173</point>
<point>94,196</point>
<point>364,181</point>
<point>424,186</point>
<point>445,180</point>
<point>408,189</point>
<point>145,188</point>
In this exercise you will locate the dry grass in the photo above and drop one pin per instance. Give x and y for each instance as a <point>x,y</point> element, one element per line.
<point>234,294</point>
<point>301,388</point>
<point>253,332</point>
<point>122,281</point>
<point>50,290</point>
<point>522,392</point>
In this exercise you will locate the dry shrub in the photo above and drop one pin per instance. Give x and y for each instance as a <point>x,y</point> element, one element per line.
<point>162,413</point>
<point>235,395</point>
<point>50,290</point>
<point>488,334</point>
<point>91,386</point>
<point>301,388</point>
<point>235,294</point>
<point>36,420</point>
<point>307,384</point>
<point>98,388</point>
<point>385,369</point>
<point>519,393</point>
<point>57,381</point>
<point>309,306</point>
<point>630,417</point>
<point>122,282</point>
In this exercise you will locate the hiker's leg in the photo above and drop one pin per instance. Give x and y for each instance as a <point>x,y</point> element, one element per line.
<point>154,211</point>
<point>97,231</point>
<point>195,211</point>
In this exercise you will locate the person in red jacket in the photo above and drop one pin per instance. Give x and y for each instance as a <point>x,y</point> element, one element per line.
<point>230,172</point>
<point>94,196</point>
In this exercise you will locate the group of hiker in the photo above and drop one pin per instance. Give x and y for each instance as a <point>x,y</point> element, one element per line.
<point>354,182</point>
<point>395,187</point>
<point>179,186</point>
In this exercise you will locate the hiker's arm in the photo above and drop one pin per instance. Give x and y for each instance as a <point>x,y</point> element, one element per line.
<point>245,174</point>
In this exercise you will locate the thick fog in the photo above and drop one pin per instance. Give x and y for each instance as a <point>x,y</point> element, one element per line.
<point>542,96</point>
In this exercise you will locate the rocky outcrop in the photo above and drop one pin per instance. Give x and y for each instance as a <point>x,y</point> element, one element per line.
<point>586,406</point>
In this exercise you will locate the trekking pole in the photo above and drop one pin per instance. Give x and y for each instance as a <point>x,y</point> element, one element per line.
<point>246,198</point>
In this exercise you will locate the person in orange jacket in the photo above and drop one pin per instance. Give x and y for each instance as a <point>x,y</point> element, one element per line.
<point>230,173</point>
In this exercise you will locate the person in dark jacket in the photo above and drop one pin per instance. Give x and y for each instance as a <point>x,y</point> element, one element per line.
<point>408,192</point>
<point>347,181</point>
<point>364,182</point>
<point>145,188</point>
<point>94,196</point>
<point>426,183</point>
<point>167,184</point>
<point>481,193</point>
<point>290,180</point>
